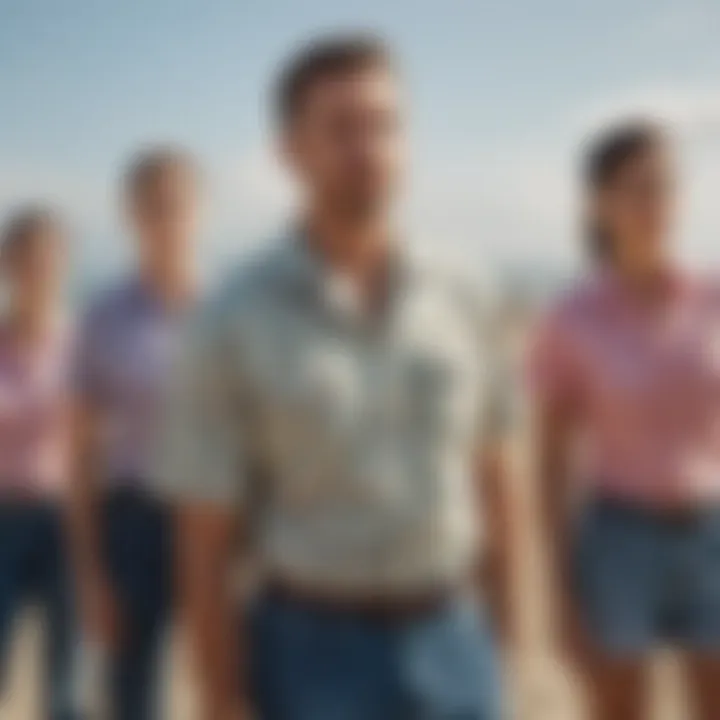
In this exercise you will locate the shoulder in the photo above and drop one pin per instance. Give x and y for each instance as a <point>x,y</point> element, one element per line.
<point>255,275</point>
<point>242,291</point>
<point>251,279</point>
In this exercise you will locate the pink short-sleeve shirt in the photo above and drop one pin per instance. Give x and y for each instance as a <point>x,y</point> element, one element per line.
<point>643,384</point>
<point>33,428</point>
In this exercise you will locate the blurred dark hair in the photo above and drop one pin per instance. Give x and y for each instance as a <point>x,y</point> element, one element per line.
<point>24,226</point>
<point>327,57</point>
<point>609,153</point>
<point>147,166</point>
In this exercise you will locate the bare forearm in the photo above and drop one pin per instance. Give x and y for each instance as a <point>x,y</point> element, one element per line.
<point>498,582</point>
<point>211,617</point>
<point>84,505</point>
<point>499,566</point>
<point>554,501</point>
<point>554,476</point>
<point>211,613</point>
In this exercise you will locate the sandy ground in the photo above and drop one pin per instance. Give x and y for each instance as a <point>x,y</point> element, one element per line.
<point>540,688</point>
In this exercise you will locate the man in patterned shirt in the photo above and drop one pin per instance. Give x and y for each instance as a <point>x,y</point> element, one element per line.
<point>332,399</point>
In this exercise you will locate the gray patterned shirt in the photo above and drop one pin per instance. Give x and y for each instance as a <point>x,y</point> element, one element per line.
<point>349,443</point>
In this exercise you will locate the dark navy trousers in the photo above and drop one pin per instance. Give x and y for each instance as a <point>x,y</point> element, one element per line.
<point>34,569</point>
<point>138,547</point>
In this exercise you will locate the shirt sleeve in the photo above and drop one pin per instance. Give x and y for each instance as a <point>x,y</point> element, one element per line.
<point>496,403</point>
<point>551,368</point>
<point>201,448</point>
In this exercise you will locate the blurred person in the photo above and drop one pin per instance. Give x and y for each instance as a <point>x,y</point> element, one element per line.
<point>35,341</point>
<point>122,531</point>
<point>333,405</point>
<point>627,383</point>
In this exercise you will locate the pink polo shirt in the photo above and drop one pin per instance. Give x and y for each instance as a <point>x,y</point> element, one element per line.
<point>33,428</point>
<point>644,386</point>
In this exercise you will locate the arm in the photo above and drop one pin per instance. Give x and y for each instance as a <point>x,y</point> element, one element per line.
<point>499,507</point>
<point>86,416</point>
<point>206,535</point>
<point>497,469</point>
<point>556,409</point>
<point>201,472</point>
<point>553,440</point>
<point>98,609</point>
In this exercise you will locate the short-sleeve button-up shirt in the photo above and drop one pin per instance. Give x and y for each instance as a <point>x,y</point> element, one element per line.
<point>350,443</point>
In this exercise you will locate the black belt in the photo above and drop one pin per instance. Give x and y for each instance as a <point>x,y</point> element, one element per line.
<point>374,607</point>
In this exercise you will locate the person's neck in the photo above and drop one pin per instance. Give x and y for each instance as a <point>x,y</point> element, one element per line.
<point>650,283</point>
<point>356,250</point>
<point>174,285</point>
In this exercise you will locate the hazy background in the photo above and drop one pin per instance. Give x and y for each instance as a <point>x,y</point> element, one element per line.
<point>502,94</point>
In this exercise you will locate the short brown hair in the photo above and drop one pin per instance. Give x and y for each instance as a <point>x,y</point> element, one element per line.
<point>150,164</point>
<point>24,225</point>
<point>619,144</point>
<point>608,154</point>
<point>325,58</point>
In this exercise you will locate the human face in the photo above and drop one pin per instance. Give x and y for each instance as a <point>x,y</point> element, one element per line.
<point>637,209</point>
<point>164,217</point>
<point>36,270</point>
<point>346,144</point>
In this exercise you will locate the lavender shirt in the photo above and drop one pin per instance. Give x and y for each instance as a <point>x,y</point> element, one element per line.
<point>33,431</point>
<point>124,352</point>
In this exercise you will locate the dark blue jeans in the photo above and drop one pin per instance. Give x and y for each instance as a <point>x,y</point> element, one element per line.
<point>34,568</point>
<point>138,539</point>
<point>315,664</point>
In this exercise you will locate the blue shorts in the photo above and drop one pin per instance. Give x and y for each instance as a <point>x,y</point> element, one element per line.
<point>317,664</point>
<point>645,580</point>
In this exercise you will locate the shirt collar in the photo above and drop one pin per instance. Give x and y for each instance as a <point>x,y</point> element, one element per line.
<point>317,280</point>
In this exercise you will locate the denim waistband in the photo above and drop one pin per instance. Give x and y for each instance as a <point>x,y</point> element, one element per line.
<point>672,516</point>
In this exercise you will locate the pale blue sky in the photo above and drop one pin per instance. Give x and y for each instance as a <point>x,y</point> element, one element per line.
<point>502,92</point>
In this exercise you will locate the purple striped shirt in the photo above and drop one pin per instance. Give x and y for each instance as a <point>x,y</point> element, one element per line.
<point>124,352</point>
